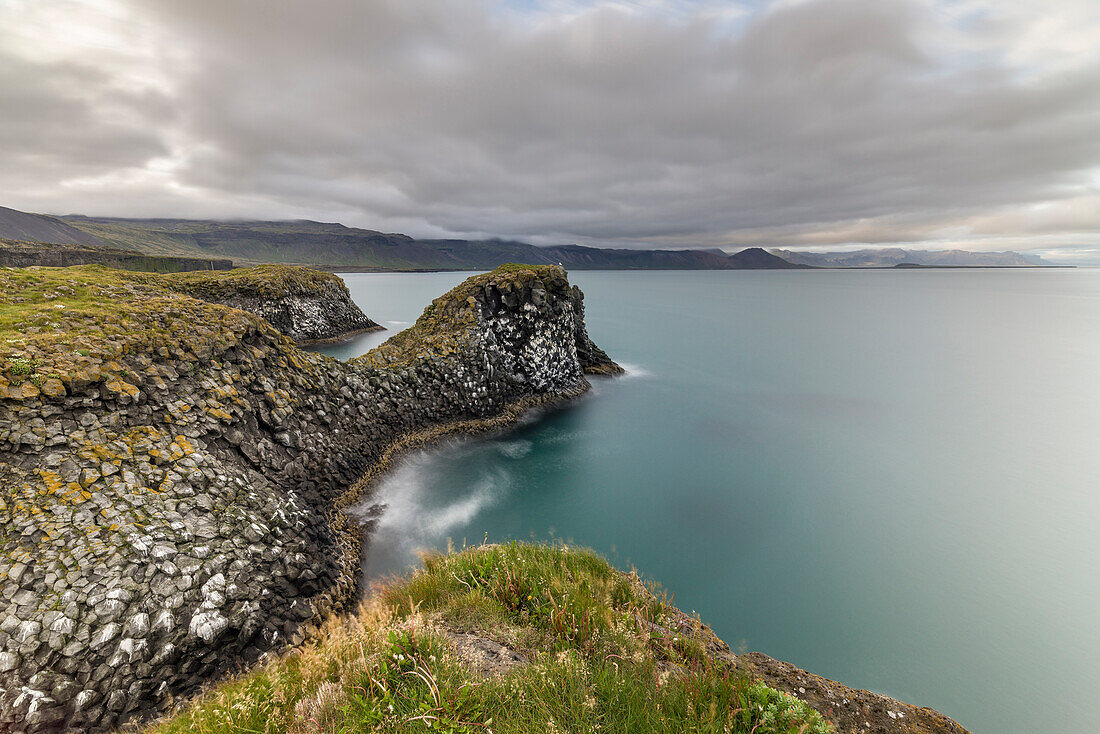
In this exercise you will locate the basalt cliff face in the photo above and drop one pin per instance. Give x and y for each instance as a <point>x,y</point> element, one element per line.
<point>172,469</point>
<point>22,254</point>
<point>309,306</point>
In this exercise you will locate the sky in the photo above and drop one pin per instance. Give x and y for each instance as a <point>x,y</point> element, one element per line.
<point>823,124</point>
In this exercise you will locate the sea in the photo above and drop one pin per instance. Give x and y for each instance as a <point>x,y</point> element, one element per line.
<point>890,478</point>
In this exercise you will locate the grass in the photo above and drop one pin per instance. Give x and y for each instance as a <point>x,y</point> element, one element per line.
<point>76,321</point>
<point>603,653</point>
<point>262,281</point>
<point>73,321</point>
<point>439,332</point>
<point>519,268</point>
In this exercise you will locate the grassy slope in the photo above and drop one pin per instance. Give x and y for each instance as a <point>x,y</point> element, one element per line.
<point>18,225</point>
<point>146,240</point>
<point>18,253</point>
<point>310,243</point>
<point>60,323</point>
<point>334,245</point>
<point>263,281</point>
<point>595,660</point>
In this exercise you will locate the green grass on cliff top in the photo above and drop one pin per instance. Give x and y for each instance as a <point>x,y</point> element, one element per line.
<point>60,321</point>
<point>262,281</point>
<point>438,332</point>
<point>600,652</point>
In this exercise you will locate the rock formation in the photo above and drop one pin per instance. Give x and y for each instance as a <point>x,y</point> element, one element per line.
<point>171,469</point>
<point>309,306</point>
<point>21,254</point>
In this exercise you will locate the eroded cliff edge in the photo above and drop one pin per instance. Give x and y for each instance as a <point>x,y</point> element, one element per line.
<point>307,305</point>
<point>171,469</point>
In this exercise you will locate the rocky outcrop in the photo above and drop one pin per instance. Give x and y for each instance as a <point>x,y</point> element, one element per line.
<point>19,254</point>
<point>849,710</point>
<point>593,359</point>
<point>309,306</point>
<point>171,470</point>
<point>325,315</point>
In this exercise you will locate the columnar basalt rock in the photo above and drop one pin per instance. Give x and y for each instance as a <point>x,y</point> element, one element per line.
<point>309,306</point>
<point>171,488</point>
<point>326,315</point>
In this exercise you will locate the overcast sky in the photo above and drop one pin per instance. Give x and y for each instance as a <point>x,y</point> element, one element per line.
<point>826,123</point>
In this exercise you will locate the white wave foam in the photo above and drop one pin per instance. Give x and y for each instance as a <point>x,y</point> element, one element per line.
<point>487,492</point>
<point>398,323</point>
<point>634,370</point>
<point>515,449</point>
<point>413,518</point>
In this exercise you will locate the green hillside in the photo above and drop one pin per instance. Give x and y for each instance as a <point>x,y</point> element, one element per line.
<point>334,246</point>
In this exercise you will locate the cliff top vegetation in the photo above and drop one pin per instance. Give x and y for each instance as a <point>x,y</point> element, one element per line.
<point>11,245</point>
<point>74,323</point>
<point>516,638</point>
<point>262,281</point>
<point>437,332</point>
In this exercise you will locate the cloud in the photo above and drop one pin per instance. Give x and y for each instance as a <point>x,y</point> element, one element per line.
<point>664,123</point>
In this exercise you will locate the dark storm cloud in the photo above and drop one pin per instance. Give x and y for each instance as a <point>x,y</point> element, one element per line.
<point>812,122</point>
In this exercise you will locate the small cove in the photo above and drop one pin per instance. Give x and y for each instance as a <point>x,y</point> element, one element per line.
<point>887,478</point>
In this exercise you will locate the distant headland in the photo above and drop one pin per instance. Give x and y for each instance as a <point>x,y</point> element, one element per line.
<point>192,244</point>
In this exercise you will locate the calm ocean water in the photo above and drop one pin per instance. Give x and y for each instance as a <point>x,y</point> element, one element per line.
<point>889,478</point>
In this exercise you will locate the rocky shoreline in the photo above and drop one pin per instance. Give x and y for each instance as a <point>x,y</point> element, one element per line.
<point>172,485</point>
<point>174,471</point>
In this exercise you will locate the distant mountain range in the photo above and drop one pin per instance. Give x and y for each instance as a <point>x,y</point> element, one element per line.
<point>336,247</point>
<point>894,256</point>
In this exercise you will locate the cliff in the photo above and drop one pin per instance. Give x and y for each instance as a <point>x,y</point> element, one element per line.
<point>527,638</point>
<point>20,254</point>
<point>172,469</point>
<point>309,306</point>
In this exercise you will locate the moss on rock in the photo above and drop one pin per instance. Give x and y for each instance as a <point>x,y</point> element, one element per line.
<point>172,470</point>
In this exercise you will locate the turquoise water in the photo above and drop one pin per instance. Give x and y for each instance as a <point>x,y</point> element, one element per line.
<point>889,478</point>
